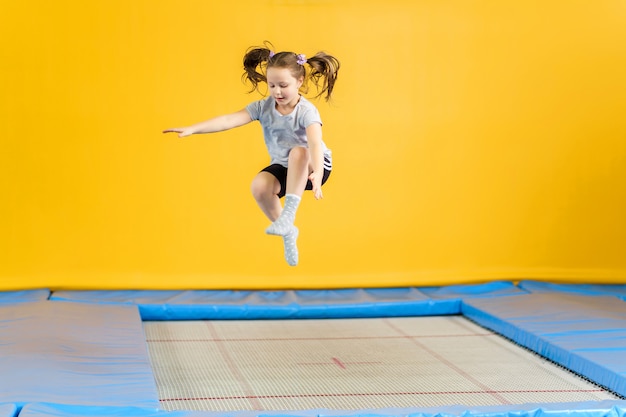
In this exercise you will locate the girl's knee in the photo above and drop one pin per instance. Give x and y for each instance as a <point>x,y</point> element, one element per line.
<point>264,186</point>
<point>258,187</point>
<point>299,153</point>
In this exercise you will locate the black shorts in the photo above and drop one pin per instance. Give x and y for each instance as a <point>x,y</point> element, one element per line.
<point>280,172</point>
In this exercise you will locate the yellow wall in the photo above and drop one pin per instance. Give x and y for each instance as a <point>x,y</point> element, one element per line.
<point>473,140</point>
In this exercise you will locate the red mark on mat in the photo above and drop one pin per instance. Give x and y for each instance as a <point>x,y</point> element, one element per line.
<point>339,363</point>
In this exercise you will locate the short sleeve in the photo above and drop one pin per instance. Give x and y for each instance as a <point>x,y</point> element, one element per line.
<point>254,110</point>
<point>310,116</point>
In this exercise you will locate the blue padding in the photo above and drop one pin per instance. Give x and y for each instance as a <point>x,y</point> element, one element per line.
<point>9,297</point>
<point>8,410</point>
<point>617,290</point>
<point>245,305</point>
<point>584,409</point>
<point>460,292</point>
<point>74,353</point>
<point>585,334</point>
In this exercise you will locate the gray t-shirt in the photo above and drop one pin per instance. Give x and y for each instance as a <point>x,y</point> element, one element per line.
<point>284,132</point>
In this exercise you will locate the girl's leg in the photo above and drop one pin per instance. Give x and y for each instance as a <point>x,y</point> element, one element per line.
<point>265,188</point>
<point>297,177</point>
<point>298,173</point>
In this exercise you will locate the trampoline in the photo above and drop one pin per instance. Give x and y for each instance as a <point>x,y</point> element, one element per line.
<point>457,351</point>
<point>350,364</point>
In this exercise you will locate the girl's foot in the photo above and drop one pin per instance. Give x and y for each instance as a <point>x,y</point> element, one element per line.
<point>281,227</point>
<point>291,249</point>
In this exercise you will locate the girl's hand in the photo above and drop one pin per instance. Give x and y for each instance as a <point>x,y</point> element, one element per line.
<point>316,180</point>
<point>182,131</point>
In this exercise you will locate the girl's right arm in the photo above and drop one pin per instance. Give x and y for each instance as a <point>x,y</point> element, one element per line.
<point>216,124</point>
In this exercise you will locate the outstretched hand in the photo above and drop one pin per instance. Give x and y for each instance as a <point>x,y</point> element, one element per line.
<point>182,131</point>
<point>316,180</point>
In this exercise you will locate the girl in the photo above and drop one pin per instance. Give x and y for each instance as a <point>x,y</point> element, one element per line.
<point>292,128</point>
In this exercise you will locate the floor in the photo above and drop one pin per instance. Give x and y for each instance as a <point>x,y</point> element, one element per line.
<point>349,364</point>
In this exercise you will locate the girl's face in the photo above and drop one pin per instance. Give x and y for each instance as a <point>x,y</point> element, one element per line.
<point>283,86</point>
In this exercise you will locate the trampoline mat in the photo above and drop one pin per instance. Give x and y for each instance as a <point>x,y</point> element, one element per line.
<point>350,364</point>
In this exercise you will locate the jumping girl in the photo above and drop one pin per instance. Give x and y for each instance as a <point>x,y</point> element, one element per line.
<point>292,129</point>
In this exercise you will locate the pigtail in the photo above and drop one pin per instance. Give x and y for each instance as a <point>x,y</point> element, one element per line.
<point>255,63</point>
<point>324,69</point>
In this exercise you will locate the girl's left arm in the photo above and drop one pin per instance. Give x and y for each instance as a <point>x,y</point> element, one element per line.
<point>314,138</point>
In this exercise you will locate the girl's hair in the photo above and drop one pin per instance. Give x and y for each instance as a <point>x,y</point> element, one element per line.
<point>323,68</point>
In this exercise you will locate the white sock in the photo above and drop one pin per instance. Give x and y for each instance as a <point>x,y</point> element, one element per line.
<point>283,224</point>
<point>291,249</point>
